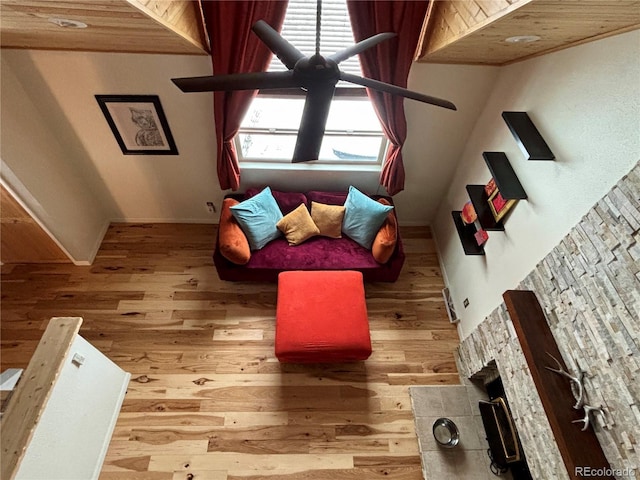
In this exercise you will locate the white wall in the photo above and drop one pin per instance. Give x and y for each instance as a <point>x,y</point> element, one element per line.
<point>91,182</point>
<point>435,136</point>
<point>41,167</point>
<point>586,103</point>
<point>132,187</point>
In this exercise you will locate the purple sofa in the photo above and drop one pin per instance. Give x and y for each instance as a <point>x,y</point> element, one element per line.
<point>317,253</point>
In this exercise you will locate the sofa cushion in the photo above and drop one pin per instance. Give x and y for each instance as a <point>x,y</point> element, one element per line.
<point>385,240</point>
<point>328,198</point>
<point>316,253</point>
<point>232,241</point>
<point>328,219</point>
<point>258,217</point>
<point>363,217</point>
<point>298,226</point>
<point>287,201</point>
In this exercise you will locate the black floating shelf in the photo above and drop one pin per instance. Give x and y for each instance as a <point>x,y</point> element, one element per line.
<point>480,202</point>
<point>465,232</point>
<point>526,134</point>
<point>506,179</point>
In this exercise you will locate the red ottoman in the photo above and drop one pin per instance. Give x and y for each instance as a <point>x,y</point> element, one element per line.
<point>321,317</point>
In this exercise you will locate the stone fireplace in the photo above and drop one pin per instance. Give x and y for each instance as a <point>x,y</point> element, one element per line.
<point>589,289</point>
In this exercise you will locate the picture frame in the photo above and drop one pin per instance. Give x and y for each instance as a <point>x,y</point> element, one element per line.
<point>138,123</point>
<point>498,205</point>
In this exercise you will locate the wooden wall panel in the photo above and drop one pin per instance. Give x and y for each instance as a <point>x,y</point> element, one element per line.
<point>453,20</point>
<point>22,239</point>
<point>142,26</point>
<point>184,18</point>
<point>474,31</point>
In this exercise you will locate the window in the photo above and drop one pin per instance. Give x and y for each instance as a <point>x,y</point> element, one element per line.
<point>353,134</point>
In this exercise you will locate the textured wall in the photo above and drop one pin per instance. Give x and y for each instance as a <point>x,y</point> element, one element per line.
<point>584,101</point>
<point>589,287</point>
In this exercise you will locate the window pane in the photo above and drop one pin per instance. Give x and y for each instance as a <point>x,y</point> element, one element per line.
<point>285,114</point>
<point>353,115</point>
<point>336,148</point>
<point>274,113</point>
<point>350,148</point>
<point>263,146</point>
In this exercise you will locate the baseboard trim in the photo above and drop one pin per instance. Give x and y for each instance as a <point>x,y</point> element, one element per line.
<point>211,221</point>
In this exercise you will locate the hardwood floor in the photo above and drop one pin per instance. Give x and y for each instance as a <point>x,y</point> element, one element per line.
<point>208,399</point>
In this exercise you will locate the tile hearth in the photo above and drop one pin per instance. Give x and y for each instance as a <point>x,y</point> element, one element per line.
<point>469,459</point>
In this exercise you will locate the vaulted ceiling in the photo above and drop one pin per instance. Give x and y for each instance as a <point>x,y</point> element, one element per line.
<point>467,32</point>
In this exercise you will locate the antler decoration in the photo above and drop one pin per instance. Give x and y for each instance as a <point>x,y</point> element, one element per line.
<point>588,409</point>
<point>577,389</point>
<point>576,382</point>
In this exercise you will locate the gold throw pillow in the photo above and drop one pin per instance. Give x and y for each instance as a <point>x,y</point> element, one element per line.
<point>298,226</point>
<point>328,219</point>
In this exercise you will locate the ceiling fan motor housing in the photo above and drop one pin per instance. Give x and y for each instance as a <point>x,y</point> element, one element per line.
<point>315,71</point>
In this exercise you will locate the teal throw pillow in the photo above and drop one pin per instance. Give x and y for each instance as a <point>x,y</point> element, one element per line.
<point>363,217</point>
<point>257,217</point>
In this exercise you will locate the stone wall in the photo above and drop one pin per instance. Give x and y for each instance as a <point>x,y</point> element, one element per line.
<point>589,288</point>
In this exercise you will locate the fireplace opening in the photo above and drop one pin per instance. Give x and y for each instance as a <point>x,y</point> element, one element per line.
<point>505,450</point>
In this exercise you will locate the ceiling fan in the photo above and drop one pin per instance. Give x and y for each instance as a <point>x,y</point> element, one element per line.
<point>317,75</point>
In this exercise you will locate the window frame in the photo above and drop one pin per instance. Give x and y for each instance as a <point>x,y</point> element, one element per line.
<point>299,28</point>
<point>341,92</point>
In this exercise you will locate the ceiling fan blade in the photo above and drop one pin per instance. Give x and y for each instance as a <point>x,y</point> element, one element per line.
<point>314,120</point>
<point>237,81</point>
<point>287,53</point>
<point>361,46</point>
<point>394,90</point>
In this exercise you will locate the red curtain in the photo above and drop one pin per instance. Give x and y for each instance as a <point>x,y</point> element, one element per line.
<point>236,49</point>
<point>389,62</point>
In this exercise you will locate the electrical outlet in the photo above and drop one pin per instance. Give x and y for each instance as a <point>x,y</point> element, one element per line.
<point>78,359</point>
<point>465,302</point>
<point>211,208</point>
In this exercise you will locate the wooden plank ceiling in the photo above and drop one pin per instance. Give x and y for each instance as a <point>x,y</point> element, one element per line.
<point>140,26</point>
<point>475,31</point>
<point>467,32</point>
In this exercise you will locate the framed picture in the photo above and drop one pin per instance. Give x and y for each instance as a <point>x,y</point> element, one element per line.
<point>490,187</point>
<point>138,123</point>
<point>498,205</point>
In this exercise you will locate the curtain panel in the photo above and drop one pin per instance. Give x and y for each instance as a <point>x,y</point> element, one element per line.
<point>389,62</point>
<point>236,49</point>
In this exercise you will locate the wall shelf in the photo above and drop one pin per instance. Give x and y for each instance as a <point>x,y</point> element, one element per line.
<point>527,136</point>
<point>506,180</point>
<point>465,232</point>
<point>480,202</point>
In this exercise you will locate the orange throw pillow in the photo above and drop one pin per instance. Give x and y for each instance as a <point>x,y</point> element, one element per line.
<point>385,241</point>
<point>232,241</point>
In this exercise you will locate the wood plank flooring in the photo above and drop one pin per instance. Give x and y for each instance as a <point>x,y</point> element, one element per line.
<point>208,399</point>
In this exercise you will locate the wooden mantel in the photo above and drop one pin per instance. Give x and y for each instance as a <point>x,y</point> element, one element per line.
<point>578,448</point>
